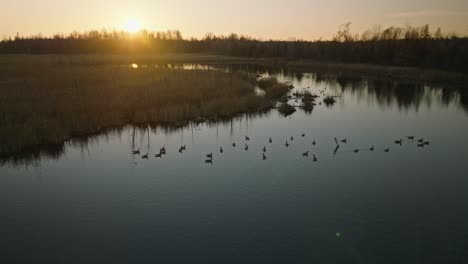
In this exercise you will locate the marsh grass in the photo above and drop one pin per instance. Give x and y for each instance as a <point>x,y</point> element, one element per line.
<point>44,102</point>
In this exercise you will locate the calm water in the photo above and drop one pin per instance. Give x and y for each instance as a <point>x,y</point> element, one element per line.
<point>94,202</point>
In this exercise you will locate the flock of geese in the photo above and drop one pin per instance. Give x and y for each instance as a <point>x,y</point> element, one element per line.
<point>421,143</point>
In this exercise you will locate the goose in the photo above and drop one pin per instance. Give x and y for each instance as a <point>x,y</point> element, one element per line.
<point>399,142</point>
<point>427,143</point>
<point>234,144</point>
<point>314,143</point>
<point>136,152</point>
<point>356,150</point>
<point>264,149</point>
<point>372,149</point>
<point>336,150</point>
<point>264,156</point>
<point>421,140</point>
<point>162,150</point>
<point>209,155</point>
<point>344,141</point>
<point>158,155</point>
<point>209,161</point>
<point>246,147</point>
<point>270,140</point>
<point>145,156</point>
<point>410,137</point>
<point>184,148</point>
<point>314,158</point>
<point>421,145</point>
<point>387,150</point>
<point>181,150</point>
<point>292,138</point>
<point>305,154</point>
<point>221,150</point>
<point>247,138</point>
<point>303,135</point>
<point>286,144</point>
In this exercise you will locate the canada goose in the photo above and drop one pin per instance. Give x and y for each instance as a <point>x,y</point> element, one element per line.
<point>184,148</point>
<point>314,143</point>
<point>305,154</point>
<point>421,140</point>
<point>264,149</point>
<point>136,152</point>
<point>314,158</point>
<point>163,150</point>
<point>209,161</point>
<point>356,150</point>
<point>387,150</point>
<point>247,138</point>
<point>181,150</point>
<point>410,137</point>
<point>209,155</point>
<point>246,147</point>
<point>270,140</point>
<point>421,145</point>
<point>336,150</point>
<point>292,138</point>
<point>286,144</point>
<point>303,135</point>
<point>427,143</point>
<point>158,155</point>
<point>234,144</point>
<point>264,156</point>
<point>145,156</point>
<point>399,142</point>
<point>372,149</point>
<point>344,141</point>
<point>221,150</point>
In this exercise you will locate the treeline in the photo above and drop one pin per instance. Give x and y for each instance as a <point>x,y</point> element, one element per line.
<point>398,46</point>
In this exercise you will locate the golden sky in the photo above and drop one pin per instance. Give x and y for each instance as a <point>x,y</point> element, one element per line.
<point>305,19</point>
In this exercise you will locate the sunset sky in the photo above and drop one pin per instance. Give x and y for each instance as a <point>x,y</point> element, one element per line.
<point>306,19</point>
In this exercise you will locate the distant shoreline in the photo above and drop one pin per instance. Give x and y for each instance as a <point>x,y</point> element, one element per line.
<point>412,74</point>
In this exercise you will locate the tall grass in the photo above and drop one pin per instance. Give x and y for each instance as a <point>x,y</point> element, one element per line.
<point>45,102</point>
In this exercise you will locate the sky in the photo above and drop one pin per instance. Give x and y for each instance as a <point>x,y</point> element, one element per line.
<point>263,19</point>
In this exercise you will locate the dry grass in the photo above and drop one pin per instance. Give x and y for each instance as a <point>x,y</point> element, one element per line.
<point>46,102</point>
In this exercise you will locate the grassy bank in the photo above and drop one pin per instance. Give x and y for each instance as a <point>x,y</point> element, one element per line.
<point>45,102</point>
<point>382,72</point>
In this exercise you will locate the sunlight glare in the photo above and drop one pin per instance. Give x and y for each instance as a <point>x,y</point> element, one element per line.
<point>132,26</point>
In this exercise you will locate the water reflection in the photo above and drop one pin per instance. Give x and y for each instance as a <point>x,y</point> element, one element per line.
<point>327,90</point>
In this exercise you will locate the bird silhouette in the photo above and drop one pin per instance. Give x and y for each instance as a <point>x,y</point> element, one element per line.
<point>314,143</point>
<point>387,150</point>
<point>372,148</point>
<point>247,138</point>
<point>270,141</point>
<point>264,149</point>
<point>136,152</point>
<point>209,161</point>
<point>264,156</point>
<point>221,150</point>
<point>145,156</point>
<point>246,147</point>
<point>314,158</point>
<point>286,144</point>
<point>399,142</point>
<point>344,141</point>
<point>305,154</point>
<point>410,137</point>
<point>303,135</point>
<point>356,150</point>
<point>159,155</point>
<point>209,155</point>
<point>234,144</point>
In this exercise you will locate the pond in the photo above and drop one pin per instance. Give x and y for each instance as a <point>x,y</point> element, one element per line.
<point>93,201</point>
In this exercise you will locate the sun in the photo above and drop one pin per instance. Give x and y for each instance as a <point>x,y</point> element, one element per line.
<point>132,26</point>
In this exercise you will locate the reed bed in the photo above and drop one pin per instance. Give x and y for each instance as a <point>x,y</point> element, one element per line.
<point>46,102</point>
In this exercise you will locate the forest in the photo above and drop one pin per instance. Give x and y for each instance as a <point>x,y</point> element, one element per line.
<point>408,46</point>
